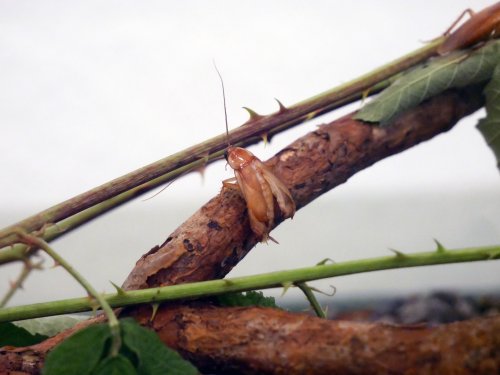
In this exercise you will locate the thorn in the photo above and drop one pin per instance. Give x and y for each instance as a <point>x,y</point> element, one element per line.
<point>282,108</point>
<point>440,248</point>
<point>268,237</point>
<point>398,253</point>
<point>287,285</point>
<point>325,311</point>
<point>94,305</point>
<point>254,116</point>
<point>201,170</point>
<point>56,264</point>
<point>334,291</point>
<point>37,266</point>
<point>265,139</point>
<point>155,307</point>
<point>324,261</point>
<point>119,289</point>
<point>365,95</point>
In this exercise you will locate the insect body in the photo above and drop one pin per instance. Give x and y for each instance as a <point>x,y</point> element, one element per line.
<point>482,25</point>
<point>259,187</point>
<point>258,184</point>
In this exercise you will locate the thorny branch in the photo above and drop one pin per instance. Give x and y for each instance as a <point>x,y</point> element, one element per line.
<point>217,236</point>
<point>260,126</point>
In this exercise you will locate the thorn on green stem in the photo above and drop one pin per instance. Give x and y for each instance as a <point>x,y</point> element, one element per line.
<point>119,289</point>
<point>334,291</point>
<point>440,248</point>
<point>398,253</point>
<point>325,261</point>
<point>155,306</point>
<point>286,285</point>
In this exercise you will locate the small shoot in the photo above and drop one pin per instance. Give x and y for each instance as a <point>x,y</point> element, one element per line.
<point>17,284</point>
<point>31,240</point>
<point>312,299</point>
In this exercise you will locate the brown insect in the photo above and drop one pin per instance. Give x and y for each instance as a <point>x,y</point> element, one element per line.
<point>481,26</point>
<point>258,184</point>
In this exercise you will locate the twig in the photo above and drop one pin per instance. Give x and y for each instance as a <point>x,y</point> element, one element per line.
<point>114,325</point>
<point>28,266</point>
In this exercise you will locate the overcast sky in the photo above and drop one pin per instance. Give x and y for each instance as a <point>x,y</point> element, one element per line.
<point>91,90</point>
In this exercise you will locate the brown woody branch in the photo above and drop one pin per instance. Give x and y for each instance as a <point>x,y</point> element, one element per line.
<point>217,236</point>
<point>270,341</point>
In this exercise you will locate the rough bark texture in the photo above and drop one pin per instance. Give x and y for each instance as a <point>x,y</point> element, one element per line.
<point>217,236</point>
<point>270,341</point>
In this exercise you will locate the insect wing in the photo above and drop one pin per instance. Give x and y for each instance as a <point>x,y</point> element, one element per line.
<point>280,191</point>
<point>256,195</point>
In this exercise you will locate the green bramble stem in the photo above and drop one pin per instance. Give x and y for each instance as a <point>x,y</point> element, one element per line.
<point>19,251</point>
<point>262,281</point>
<point>114,325</point>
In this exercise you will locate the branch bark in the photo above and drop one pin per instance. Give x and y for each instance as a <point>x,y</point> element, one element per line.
<point>270,341</point>
<point>218,236</point>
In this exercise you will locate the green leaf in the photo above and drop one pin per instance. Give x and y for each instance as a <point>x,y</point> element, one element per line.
<point>80,353</point>
<point>250,298</point>
<point>154,358</point>
<point>12,335</point>
<point>118,365</point>
<point>457,69</point>
<point>490,125</point>
<point>49,325</point>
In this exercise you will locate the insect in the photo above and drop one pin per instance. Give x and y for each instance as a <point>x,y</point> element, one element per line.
<point>480,26</point>
<point>258,184</point>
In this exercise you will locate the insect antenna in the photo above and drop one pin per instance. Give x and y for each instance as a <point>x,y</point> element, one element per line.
<point>225,107</point>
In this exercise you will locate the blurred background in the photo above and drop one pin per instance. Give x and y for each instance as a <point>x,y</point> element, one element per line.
<point>91,90</point>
